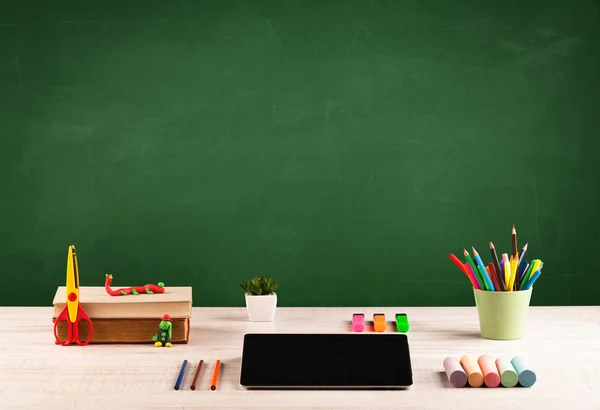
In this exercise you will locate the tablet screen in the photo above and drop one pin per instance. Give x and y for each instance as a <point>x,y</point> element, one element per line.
<point>283,360</point>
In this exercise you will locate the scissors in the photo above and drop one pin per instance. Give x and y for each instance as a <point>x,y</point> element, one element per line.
<point>73,312</point>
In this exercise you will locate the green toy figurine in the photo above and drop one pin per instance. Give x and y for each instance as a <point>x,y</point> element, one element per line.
<point>165,332</point>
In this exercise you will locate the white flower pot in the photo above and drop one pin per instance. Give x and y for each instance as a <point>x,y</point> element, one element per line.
<point>261,308</point>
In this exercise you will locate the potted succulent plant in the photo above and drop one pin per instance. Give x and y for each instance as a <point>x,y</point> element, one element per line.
<point>261,299</point>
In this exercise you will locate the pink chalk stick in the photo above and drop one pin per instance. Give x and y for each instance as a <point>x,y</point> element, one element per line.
<point>358,322</point>
<point>455,373</point>
<point>491,377</point>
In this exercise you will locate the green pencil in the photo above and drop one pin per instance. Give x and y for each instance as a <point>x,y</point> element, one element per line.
<point>475,270</point>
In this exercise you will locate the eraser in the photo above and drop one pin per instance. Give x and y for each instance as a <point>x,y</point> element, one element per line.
<point>402,322</point>
<point>508,375</point>
<point>491,377</point>
<point>526,376</point>
<point>379,322</point>
<point>455,373</point>
<point>358,322</point>
<point>474,374</point>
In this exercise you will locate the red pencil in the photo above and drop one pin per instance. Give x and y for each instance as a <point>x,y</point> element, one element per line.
<point>492,272</point>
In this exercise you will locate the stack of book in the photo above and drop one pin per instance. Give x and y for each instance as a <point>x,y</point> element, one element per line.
<point>128,318</point>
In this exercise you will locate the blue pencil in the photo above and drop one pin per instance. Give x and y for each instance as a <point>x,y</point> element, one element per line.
<point>532,279</point>
<point>483,271</point>
<point>181,374</point>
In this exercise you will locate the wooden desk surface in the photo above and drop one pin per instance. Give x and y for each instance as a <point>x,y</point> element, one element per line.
<point>562,345</point>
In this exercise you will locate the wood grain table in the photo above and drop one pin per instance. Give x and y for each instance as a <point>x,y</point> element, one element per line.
<point>562,345</point>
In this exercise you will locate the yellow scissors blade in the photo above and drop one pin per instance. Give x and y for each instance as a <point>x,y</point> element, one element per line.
<point>72,284</point>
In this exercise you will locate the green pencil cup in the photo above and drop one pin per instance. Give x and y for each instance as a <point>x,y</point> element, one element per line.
<point>502,315</point>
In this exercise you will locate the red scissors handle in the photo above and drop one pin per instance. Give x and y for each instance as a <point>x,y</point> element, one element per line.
<point>73,328</point>
<point>81,315</point>
<point>64,315</point>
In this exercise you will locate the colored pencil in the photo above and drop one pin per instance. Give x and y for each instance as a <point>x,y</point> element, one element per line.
<point>486,277</point>
<point>475,270</point>
<point>497,266</point>
<point>193,386</point>
<point>514,241</point>
<point>509,273</point>
<point>484,274</point>
<point>464,269</point>
<point>532,279</point>
<point>493,270</point>
<point>523,253</point>
<point>213,385</point>
<point>181,374</point>
<point>490,271</point>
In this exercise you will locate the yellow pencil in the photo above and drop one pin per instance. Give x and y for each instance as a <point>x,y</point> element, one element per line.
<point>514,261</point>
<point>507,275</point>
<point>511,262</point>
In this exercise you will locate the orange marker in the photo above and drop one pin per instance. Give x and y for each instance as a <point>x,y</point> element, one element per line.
<point>213,385</point>
<point>379,322</point>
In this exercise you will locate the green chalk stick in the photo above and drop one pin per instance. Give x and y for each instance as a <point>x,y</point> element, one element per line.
<point>508,375</point>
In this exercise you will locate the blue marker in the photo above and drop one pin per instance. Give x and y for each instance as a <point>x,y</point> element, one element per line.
<point>484,273</point>
<point>181,374</point>
<point>532,279</point>
<point>521,274</point>
<point>522,269</point>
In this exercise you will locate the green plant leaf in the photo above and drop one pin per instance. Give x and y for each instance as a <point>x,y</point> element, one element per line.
<point>259,285</point>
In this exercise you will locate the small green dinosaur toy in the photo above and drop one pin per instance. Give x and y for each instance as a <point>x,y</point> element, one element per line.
<point>165,332</point>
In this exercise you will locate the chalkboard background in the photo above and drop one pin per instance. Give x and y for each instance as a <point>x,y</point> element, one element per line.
<point>344,148</point>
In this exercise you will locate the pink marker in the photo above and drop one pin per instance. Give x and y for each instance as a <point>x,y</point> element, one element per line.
<point>473,277</point>
<point>358,322</point>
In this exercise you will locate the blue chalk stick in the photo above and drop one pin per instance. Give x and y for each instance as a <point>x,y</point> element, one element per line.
<point>527,377</point>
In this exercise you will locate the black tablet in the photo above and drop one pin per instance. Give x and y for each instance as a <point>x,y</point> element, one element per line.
<point>333,361</point>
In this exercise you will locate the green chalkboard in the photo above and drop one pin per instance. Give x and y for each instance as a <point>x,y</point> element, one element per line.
<point>344,148</point>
